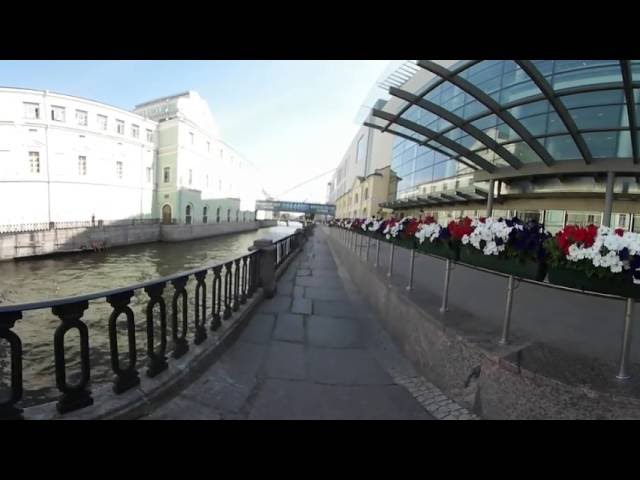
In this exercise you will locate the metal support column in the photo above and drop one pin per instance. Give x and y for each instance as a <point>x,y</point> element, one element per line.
<point>507,313</point>
<point>490,198</point>
<point>412,259</point>
<point>445,293</point>
<point>623,374</point>
<point>377,262</point>
<point>608,199</point>
<point>391,260</point>
<point>366,253</point>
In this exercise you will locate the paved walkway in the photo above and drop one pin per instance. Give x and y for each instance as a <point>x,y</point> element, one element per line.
<point>314,351</point>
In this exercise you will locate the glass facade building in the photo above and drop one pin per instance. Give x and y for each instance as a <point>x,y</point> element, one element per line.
<point>533,126</point>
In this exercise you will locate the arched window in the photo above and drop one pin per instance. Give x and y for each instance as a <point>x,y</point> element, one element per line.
<point>204,214</point>
<point>228,214</point>
<point>187,215</point>
<point>218,215</point>
<point>237,215</point>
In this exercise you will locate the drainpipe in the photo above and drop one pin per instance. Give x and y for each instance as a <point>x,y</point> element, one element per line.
<point>45,111</point>
<point>608,199</point>
<point>490,198</point>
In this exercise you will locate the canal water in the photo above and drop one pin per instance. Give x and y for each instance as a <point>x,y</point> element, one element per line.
<point>41,279</point>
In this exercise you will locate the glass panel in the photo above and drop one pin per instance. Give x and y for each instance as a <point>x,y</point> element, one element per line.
<point>470,142</point>
<point>519,91</point>
<point>530,109</point>
<point>606,116</point>
<point>537,125</point>
<point>506,134</point>
<point>562,148</point>
<point>587,77</point>
<point>423,176</point>
<point>605,97</point>
<point>544,66</point>
<point>483,71</point>
<point>564,65</point>
<point>425,160</point>
<point>635,70</point>
<point>485,122</point>
<point>624,145</point>
<point>601,144</point>
<point>514,74</point>
<point>473,108</point>
<point>523,152</point>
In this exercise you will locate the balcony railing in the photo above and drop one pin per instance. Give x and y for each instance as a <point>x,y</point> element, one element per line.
<point>232,283</point>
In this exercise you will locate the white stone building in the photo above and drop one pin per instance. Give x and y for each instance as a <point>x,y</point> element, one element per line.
<point>65,158</point>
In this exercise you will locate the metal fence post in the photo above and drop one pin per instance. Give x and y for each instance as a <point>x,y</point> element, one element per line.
<point>267,258</point>
<point>391,261</point>
<point>366,253</point>
<point>445,293</point>
<point>377,264</point>
<point>411,262</point>
<point>507,313</point>
<point>623,374</point>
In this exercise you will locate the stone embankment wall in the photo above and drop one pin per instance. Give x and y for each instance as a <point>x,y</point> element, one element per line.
<point>27,244</point>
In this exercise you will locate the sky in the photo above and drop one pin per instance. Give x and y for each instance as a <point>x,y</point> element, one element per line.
<point>292,119</point>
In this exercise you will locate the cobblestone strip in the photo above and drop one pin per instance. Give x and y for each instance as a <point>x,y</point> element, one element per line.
<point>432,398</point>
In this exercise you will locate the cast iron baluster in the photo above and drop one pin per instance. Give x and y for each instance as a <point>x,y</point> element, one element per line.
<point>157,360</point>
<point>201,308</point>
<point>216,299</point>
<point>236,285</point>
<point>244,287</point>
<point>180,344</point>
<point>252,274</point>
<point>73,396</point>
<point>127,378</point>
<point>8,410</point>
<point>227,290</point>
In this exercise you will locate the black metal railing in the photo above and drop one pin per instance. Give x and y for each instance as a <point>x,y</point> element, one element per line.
<point>232,283</point>
<point>284,246</point>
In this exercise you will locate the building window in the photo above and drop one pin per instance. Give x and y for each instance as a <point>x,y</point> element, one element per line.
<point>149,174</point>
<point>102,122</point>
<point>356,200</point>
<point>120,127</point>
<point>360,152</point>
<point>204,214</point>
<point>149,136</point>
<point>32,111</point>
<point>34,162</point>
<point>237,218</point>
<point>119,169</point>
<point>220,185</point>
<point>82,165</point>
<point>82,118</point>
<point>167,174</point>
<point>187,215</point>
<point>244,216</point>
<point>191,137</point>
<point>228,214</point>
<point>366,193</point>
<point>218,215</point>
<point>135,131</point>
<point>190,176</point>
<point>208,146</point>
<point>207,177</point>
<point>57,114</point>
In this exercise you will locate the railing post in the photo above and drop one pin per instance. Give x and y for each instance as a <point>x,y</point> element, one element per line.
<point>377,262</point>
<point>445,293</point>
<point>366,253</point>
<point>623,374</point>
<point>267,266</point>
<point>8,410</point>
<point>412,259</point>
<point>125,378</point>
<point>507,313</point>
<point>390,272</point>
<point>73,396</point>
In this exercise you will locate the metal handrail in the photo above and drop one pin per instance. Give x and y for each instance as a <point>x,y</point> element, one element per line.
<point>622,374</point>
<point>233,282</point>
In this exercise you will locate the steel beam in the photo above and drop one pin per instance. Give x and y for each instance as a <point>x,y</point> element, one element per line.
<point>493,106</point>
<point>625,66</point>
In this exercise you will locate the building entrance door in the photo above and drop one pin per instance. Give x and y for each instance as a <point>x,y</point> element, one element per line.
<point>166,214</point>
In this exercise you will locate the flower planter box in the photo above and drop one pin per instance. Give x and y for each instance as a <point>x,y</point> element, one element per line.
<point>409,243</point>
<point>503,264</point>
<point>441,249</point>
<point>621,285</point>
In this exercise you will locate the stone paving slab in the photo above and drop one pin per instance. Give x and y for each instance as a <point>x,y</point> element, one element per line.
<point>314,351</point>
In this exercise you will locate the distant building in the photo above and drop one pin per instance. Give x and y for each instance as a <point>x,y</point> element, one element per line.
<point>64,158</point>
